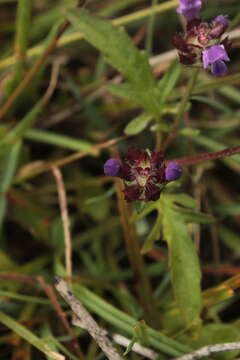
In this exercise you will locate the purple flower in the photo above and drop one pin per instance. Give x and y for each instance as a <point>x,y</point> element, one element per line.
<point>144,173</point>
<point>189,8</point>
<point>173,171</point>
<point>202,43</point>
<point>215,56</point>
<point>219,25</point>
<point>112,167</point>
<point>222,19</point>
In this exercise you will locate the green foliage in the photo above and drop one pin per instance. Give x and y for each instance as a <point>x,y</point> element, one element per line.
<point>137,271</point>
<point>174,212</point>
<point>184,263</point>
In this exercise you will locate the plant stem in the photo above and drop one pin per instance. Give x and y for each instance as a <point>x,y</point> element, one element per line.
<point>150,33</point>
<point>135,258</point>
<point>21,38</point>
<point>189,160</point>
<point>182,107</point>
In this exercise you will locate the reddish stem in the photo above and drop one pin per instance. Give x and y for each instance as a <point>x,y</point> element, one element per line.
<point>188,160</point>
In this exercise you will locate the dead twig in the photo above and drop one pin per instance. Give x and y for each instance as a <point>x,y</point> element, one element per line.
<point>49,290</point>
<point>137,348</point>
<point>65,220</point>
<point>209,350</point>
<point>86,321</point>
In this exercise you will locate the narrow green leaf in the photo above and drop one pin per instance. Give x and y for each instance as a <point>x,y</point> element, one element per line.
<point>29,337</point>
<point>27,121</point>
<point>130,346</point>
<point>8,168</point>
<point>138,124</point>
<point>167,83</point>
<point>212,102</point>
<point>126,323</point>
<point>57,140</point>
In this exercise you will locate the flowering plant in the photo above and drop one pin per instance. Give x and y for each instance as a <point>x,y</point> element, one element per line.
<point>145,173</point>
<point>202,43</point>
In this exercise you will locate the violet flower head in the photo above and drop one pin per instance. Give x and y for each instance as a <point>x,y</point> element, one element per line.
<point>112,167</point>
<point>215,56</point>
<point>222,19</point>
<point>173,171</point>
<point>189,8</point>
<point>144,174</point>
<point>202,43</point>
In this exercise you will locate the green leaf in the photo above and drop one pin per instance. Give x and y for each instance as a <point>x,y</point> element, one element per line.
<point>58,140</point>
<point>183,199</point>
<point>217,334</point>
<point>184,263</point>
<point>130,346</point>
<point>145,97</point>
<point>212,102</point>
<point>115,45</point>
<point>138,124</point>
<point>126,323</point>
<point>167,83</point>
<point>8,168</point>
<point>153,236</point>
<point>29,337</point>
<point>195,216</point>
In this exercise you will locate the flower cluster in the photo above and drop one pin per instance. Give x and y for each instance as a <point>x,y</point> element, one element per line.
<point>144,173</point>
<point>202,43</point>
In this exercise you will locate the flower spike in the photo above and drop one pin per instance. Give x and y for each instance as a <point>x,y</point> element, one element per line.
<point>144,173</point>
<point>201,43</point>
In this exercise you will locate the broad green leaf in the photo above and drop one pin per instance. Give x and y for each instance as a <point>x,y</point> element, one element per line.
<point>116,45</point>
<point>184,263</point>
<point>146,98</point>
<point>190,215</point>
<point>183,199</point>
<point>138,124</point>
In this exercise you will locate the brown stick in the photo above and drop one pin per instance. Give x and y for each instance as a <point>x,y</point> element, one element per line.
<point>65,220</point>
<point>86,321</point>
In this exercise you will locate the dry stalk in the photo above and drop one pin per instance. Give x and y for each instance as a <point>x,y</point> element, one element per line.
<point>65,220</point>
<point>209,350</point>
<point>86,321</point>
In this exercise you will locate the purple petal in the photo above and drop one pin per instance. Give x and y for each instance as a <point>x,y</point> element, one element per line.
<point>219,68</point>
<point>112,167</point>
<point>173,171</point>
<point>223,19</point>
<point>213,54</point>
<point>189,8</point>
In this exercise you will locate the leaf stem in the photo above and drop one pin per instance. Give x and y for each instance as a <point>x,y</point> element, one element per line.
<point>135,258</point>
<point>189,160</point>
<point>182,107</point>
